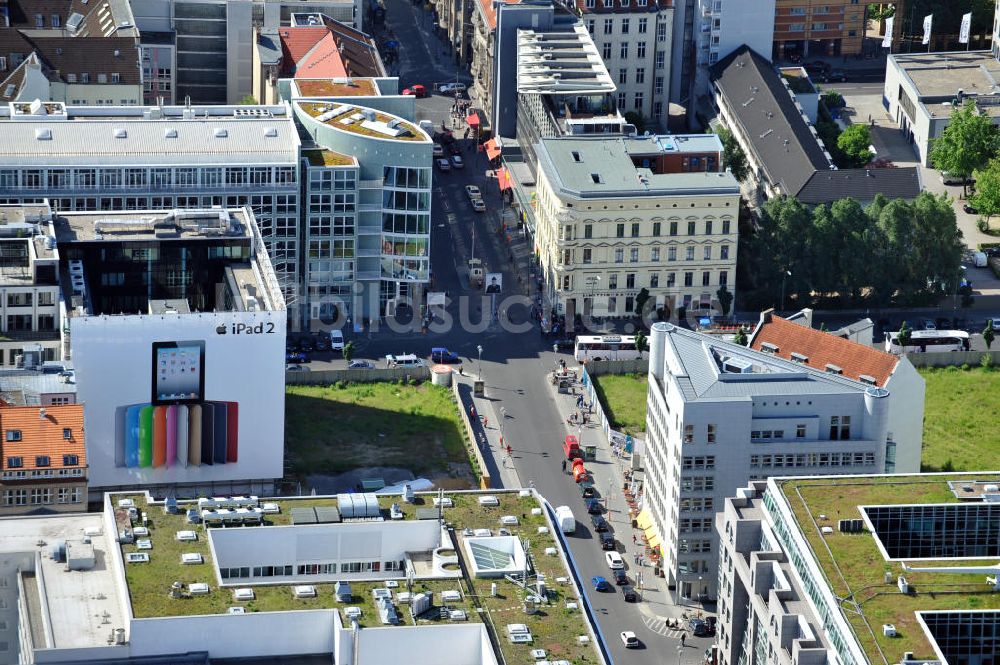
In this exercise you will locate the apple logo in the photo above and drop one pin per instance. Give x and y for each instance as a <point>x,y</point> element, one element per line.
<point>221,329</point>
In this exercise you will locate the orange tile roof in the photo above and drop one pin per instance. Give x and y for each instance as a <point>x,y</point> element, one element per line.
<point>42,434</point>
<point>486,6</point>
<point>310,52</point>
<point>822,348</point>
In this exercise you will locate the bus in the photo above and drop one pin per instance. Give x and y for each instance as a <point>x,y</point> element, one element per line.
<point>928,341</point>
<point>605,347</point>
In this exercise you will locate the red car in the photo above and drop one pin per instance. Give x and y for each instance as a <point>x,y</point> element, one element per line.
<point>417,91</point>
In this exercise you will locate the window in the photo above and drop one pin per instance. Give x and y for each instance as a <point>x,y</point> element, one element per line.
<point>85,78</point>
<point>635,229</point>
<point>706,278</point>
<point>620,231</point>
<point>640,75</point>
<point>800,431</point>
<point>619,254</point>
<point>71,460</point>
<point>689,253</point>
<point>654,254</point>
<point>3,63</point>
<point>15,462</point>
<point>103,78</point>
<point>708,223</point>
<point>567,283</point>
<point>606,50</point>
<point>625,23</point>
<point>15,497</point>
<point>591,23</point>
<point>587,255</point>
<point>630,280</point>
<point>39,21</point>
<point>116,77</point>
<point>691,228</point>
<point>612,305</point>
<point>609,26</point>
<point>642,25</point>
<point>724,252</point>
<point>671,254</point>
<point>658,85</point>
<point>613,281</point>
<point>588,231</point>
<point>633,255</point>
<point>42,460</point>
<point>623,51</point>
<point>711,433</point>
<point>657,228</point>
<point>591,4</point>
<point>661,59</point>
<point>661,32</point>
<point>621,99</point>
<point>671,279</point>
<point>623,75</point>
<point>640,50</point>
<point>638,101</point>
<point>723,278</point>
<point>689,279</point>
<point>41,495</point>
<point>725,226</point>
<point>689,434</point>
<point>54,19</point>
<point>13,435</point>
<point>708,253</point>
<point>673,228</point>
<point>654,280</point>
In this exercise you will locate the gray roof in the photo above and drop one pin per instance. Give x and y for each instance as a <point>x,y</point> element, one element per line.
<point>861,184</point>
<point>269,46</point>
<point>696,362</point>
<point>601,168</point>
<point>27,386</point>
<point>769,119</point>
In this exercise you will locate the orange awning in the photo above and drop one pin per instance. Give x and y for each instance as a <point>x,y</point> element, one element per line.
<point>492,151</point>
<point>503,179</point>
<point>472,119</point>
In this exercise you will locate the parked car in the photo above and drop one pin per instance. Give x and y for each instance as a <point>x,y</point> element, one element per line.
<point>418,91</point>
<point>608,541</point>
<point>587,490</point>
<point>473,192</point>
<point>478,205</point>
<point>443,164</point>
<point>451,88</point>
<point>954,179</point>
<point>321,342</point>
<point>296,357</point>
<point>296,368</point>
<point>620,577</point>
<point>629,639</point>
<point>968,209</point>
<point>336,340</point>
<point>404,360</point>
<point>437,150</point>
<point>361,364</point>
<point>995,322</point>
<point>306,345</point>
<point>456,161</point>
<point>699,628</point>
<point>600,584</point>
<point>614,560</point>
<point>600,524</point>
<point>594,507</point>
<point>629,594</point>
<point>439,354</point>
<point>929,324</point>
<point>816,67</point>
<point>835,76</point>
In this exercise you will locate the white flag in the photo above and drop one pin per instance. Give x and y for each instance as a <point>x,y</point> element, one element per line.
<point>963,32</point>
<point>887,40</point>
<point>927,29</point>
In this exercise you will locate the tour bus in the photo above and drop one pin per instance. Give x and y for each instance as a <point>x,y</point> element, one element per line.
<point>928,341</point>
<point>605,347</point>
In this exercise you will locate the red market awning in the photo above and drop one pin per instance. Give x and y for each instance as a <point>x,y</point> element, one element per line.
<point>492,151</point>
<point>472,119</point>
<point>503,179</point>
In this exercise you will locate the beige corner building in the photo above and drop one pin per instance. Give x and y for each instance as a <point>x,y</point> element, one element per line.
<point>622,214</point>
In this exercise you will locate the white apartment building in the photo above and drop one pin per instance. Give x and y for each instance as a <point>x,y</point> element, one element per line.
<point>720,415</point>
<point>619,214</point>
<point>29,289</point>
<point>159,158</point>
<point>725,25</point>
<point>203,49</point>
<point>635,40</point>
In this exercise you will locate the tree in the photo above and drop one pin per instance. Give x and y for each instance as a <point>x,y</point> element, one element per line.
<point>725,299</point>
<point>681,314</point>
<point>968,142</point>
<point>348,352</point>
<point>988,335</point>
<point>833,99</point>
<point>640,342</point>
<point>637,119</point>
<point>854,142</point>
<point>641,299</point>
<point>733,156</point>
<point>905,335</point>
<point>740,337</point>
<point>248,100</point>
<point>986,198</point>
<point>878,12</point>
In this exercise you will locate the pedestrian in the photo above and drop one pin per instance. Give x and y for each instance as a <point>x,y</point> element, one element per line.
<point>510,451</point>
<point>472,411</point>
<point>683,638</point>
<point>564,466</point>
<point>486,422</point>
<point>634,539</point>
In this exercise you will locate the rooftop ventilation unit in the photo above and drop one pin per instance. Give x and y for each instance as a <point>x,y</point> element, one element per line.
<point>43,134</point>
<point>221,133</point>
<point>170,133</point>
<point>271,132</point>
<point>737,366</point>
<point>121,134</point>
<point>368,114</point>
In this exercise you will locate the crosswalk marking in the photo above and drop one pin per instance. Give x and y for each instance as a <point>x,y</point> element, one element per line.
<point>659,626</point>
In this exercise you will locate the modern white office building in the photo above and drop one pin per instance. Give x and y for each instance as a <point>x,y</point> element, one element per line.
<point>722,27</point>
<point>720,415</point>
<point>621,214</point>
<point>860,569</point>
<point>160,158</point>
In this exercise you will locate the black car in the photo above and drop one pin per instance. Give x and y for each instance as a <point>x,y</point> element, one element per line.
<point>608,541</point>
<point>307,345</point>
<point>620,577</point>
<point>588,490</point>
<point>629,594</point>
<point>600,524</point>
<point>699,628</point>
<point>594,507</point>
<point>835,76</point>
<point>970,210</point>
<point>816,68</point>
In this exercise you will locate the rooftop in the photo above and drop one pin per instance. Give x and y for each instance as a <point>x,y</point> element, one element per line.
<point>326,157</point>
<point>621,7</point>
<point>357,50</point>
<point>336,87</point>
<point>602,167</point>
<point>23,387</point>
<point>489,13</point>
<point>856,569</point>
<point>364,121</point>
<point>939,76</point>
<point>824,186</point>
<point>668,144</point>
<point>46,434</point>
<point>150,225</point>
<point>824,352</point>
<point>554,629</point>
<point>561,62</point>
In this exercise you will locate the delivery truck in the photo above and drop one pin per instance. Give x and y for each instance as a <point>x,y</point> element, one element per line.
<point>564,516</point>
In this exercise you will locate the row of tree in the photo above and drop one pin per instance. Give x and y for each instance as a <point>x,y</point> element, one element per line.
<point>893,252</point>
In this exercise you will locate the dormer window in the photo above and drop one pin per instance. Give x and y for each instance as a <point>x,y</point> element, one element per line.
<point>868,380</point>
<point>834,369</point>
<point>799,358</point>
<point>767,347</point>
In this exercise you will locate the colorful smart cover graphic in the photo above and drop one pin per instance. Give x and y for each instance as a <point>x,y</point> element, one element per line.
<point>179,427</point>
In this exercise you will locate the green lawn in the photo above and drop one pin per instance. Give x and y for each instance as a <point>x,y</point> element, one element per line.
<point>960,424</point>
<point>331,429</point>
<point>623,397</point>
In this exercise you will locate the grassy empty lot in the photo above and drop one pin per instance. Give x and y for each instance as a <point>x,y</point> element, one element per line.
<point>960,424</point>
<point>624,399</point>
<point>330,429</point>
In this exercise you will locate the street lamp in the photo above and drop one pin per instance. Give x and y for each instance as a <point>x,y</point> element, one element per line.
<point>503,417</point>
<point>479,348</point>
<point>788,273</point>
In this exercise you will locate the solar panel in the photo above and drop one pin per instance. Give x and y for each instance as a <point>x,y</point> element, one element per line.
<point>488,558</point>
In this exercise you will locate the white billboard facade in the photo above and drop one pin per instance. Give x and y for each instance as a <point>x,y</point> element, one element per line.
<point>182,399</point>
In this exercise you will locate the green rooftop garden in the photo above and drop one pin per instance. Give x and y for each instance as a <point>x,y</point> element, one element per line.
<point>855,568</point>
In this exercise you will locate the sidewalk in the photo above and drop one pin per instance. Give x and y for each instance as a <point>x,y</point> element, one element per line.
<point>486,425</point>
<point>658,603</point>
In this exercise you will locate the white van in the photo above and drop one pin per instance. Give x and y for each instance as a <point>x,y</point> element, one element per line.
<point>336,341</point>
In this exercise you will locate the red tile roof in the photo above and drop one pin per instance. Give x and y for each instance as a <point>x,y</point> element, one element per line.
<point>310,52</point>
<point>42,434</point>
<point>822,349</point>
<point>486,7</point>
